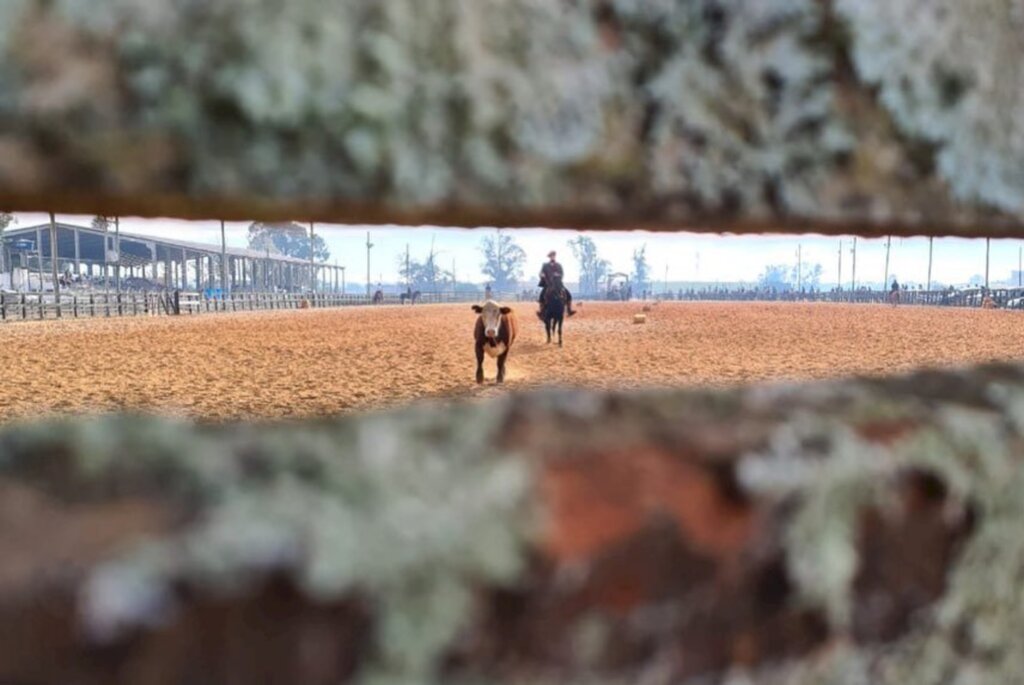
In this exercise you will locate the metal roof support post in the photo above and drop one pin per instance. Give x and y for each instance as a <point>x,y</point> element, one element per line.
<point>312,267</point>
<point>223,260</point>
<point>117,248</point>
<point>53,259</point>
<point>39,258</point>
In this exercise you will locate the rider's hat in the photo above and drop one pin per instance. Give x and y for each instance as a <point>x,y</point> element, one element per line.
<point>551,254</point>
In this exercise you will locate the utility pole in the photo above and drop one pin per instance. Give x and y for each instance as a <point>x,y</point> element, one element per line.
<point>885,280</point>
<point>1020,258</point>
<point>839,280</point>
<point>369,246</point>
<point>931,242</point>
<point>455,283</point>
<point>342,280</point>
<point>433,265</point>
<point>988,242</point>
<point>501,264</point>
<point>799,267</point>
<point>666,279</point>
<point>117,248</point>
<point>853,276</point>
<point>223,260</point>
<point>408,273</point>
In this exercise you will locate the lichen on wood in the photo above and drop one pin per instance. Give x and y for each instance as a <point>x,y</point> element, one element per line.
<point>841,532</point>
<point>710,114</point>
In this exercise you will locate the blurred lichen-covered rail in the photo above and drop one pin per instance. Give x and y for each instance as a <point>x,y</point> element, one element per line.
<point>810,534</point>
<point>808,116</point>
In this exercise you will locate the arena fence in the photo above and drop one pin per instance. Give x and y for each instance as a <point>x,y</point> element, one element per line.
<point>1012,298</point>
<point>48,306</point>
<point>45,306</point>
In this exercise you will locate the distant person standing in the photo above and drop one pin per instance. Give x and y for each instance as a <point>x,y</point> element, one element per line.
<point>488,295</point>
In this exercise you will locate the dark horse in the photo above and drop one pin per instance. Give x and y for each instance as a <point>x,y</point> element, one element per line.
<point>378,297</point>
<point>412,297</point>
<point>553,311</point>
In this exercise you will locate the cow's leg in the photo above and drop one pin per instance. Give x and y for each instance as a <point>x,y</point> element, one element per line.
<point>479,363</point>
<point>501,367</point>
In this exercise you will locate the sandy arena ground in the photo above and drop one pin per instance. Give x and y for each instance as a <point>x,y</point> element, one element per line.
<point>317,362</point>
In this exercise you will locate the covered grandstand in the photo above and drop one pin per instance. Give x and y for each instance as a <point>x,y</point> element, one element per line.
<point>90,257</point>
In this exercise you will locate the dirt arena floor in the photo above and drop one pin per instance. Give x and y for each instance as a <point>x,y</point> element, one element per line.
<point>320,362</point>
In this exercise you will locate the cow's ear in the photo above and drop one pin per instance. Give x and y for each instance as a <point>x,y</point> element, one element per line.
<point>478,309</point>
<point>505,310</point>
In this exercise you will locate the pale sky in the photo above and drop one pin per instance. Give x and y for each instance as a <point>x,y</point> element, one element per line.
<point>687,256</point>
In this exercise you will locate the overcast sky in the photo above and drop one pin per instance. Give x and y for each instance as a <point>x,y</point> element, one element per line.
<point>686,256</point>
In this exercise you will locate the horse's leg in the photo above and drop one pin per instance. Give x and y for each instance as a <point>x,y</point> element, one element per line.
<point>547,328</point>
<point>561,319</point>
<point>479,363</point>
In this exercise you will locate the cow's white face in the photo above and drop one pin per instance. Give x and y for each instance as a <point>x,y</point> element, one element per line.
<point>490,312</point>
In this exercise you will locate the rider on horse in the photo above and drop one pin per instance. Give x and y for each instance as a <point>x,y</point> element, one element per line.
<point>894,292</point>
<point>551,275</point>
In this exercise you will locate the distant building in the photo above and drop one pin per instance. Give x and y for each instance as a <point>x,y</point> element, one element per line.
<point>88,253</point>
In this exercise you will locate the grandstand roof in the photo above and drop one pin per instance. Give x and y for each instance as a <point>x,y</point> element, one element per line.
<point>166,243</point>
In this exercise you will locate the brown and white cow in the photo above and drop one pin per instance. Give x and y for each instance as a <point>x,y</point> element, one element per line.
<point>494,334</point>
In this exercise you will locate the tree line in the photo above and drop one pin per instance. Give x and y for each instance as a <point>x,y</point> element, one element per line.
<point>503,260</point>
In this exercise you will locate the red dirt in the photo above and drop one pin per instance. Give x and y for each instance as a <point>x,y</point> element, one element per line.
<point>319,362</point>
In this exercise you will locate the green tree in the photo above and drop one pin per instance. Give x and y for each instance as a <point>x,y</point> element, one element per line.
<point>593,269</point>
<point>641,269</point>
<point>289,239</point>
<point>503,260</point>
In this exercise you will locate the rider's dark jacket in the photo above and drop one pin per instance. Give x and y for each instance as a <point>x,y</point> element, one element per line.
<point>550,273</point>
